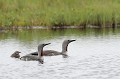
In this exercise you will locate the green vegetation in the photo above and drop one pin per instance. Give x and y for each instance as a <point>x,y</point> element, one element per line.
<point>14,13</point>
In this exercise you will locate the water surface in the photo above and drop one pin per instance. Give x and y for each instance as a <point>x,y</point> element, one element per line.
<point>95,54</point>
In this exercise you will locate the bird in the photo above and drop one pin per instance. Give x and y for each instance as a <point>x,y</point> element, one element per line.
<point>38,57</point>
<point>16,54</point>
<point>54,53</point>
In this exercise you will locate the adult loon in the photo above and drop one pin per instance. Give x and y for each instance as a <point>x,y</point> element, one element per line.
<point>38,57</point>
<point>16,54</point>
<point>54,53</point>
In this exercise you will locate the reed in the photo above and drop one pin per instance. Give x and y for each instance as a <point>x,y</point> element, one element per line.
<point>21,13</point>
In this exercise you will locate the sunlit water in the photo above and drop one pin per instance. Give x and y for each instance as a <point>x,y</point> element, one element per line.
<point>94,55</point>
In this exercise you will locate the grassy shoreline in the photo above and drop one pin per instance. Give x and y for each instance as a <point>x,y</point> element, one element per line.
<point>81,13</point>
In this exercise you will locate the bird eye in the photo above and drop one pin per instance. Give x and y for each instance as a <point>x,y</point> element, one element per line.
<point>68,40</point>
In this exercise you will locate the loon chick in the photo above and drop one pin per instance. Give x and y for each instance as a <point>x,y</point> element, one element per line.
<point>16,54</point>
<point>54,53</point>
<point>38,57</point>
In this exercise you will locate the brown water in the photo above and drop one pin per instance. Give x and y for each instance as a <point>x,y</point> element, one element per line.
<point>95,54</point>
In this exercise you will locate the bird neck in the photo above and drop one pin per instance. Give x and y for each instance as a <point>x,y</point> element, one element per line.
<point>64,48</point>
<point>40,53</point>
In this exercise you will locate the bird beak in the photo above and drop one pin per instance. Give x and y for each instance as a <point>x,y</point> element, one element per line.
<point>19,52</point>
<point>71,40</point>
<point>47,44</point>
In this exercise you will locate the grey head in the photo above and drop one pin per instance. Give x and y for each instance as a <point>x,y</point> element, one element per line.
<point>65,45</point>
<point>16,54</point>
<point>40,52</point>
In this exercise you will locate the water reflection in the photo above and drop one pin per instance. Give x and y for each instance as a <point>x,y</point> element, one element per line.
<point>30,35</point>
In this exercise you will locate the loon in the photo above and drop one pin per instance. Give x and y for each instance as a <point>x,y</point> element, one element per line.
<point>54,53</point>
<point>16,54</point>
<point>38,57</point>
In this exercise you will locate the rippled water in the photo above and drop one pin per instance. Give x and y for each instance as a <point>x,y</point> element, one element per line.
<point>95,54</point>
